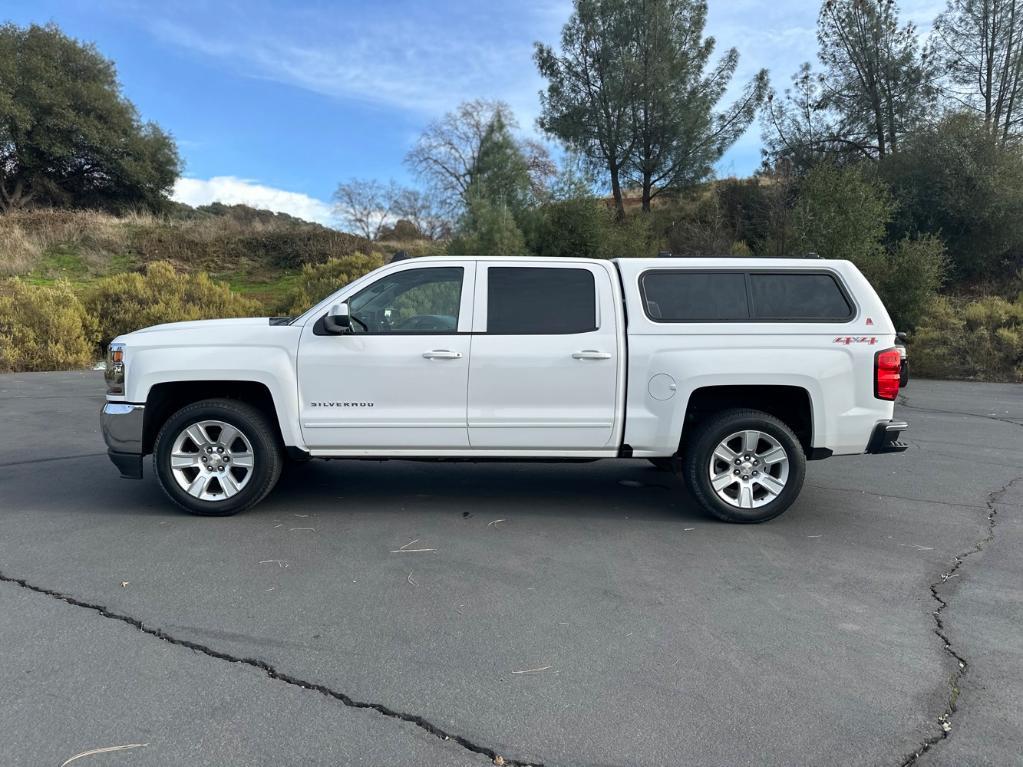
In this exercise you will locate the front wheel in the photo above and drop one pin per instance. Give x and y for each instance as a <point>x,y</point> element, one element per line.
<point>744,466</point>
<point>217,457</point>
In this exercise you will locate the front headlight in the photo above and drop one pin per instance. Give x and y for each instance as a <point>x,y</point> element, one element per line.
<point>114,374</point>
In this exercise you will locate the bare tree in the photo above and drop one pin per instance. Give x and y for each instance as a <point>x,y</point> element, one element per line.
<point>364,205</point>
<point>980,47</point>
<point>422,210</point>
<point>447,155</point>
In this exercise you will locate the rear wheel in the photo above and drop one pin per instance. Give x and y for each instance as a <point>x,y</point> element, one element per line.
<point>217,457</point>
<point>744,466</point>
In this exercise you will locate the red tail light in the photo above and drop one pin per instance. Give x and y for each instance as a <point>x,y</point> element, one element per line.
<point>887,369</point>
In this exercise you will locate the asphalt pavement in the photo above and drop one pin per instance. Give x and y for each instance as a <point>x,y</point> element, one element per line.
<point>403,613</point>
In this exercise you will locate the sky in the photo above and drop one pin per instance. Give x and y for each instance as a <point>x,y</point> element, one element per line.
<point>273,103</point>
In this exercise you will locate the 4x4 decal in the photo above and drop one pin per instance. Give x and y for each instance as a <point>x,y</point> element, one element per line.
<point>856,340</point>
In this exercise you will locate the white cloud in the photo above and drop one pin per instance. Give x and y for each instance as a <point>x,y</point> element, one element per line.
<point>416,60</point>
<point>239,191</point>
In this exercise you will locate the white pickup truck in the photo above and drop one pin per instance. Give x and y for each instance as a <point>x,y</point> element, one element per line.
<point>732,371</point>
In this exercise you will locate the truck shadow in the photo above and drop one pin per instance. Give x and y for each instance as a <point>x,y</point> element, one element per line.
<point>603,489</point>
<point>611,488</point>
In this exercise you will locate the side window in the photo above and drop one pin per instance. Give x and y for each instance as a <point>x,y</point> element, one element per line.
<point>812,297</point>
<point>411,301</point>
<point>531,301</point>
<point>695,296</point>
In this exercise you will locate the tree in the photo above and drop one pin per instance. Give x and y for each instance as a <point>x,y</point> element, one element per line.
<point>801,130</point>
<point>590,90</point>
<point>571,228</point>
<point>875,77</point>
<point>500,174</point>
<point>980,46</point>
<point>631,92</point>
<point>843,214</point>
<point>68,137</point>
<point>953,181</point>
<point>364,205</point>
<point>448,152</point>
<point>678,136</point>
<point>488,229</point>
<point>422,210</point>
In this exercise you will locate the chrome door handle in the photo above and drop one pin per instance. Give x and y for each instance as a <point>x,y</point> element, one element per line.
<point>442,354</point>
<point>590,354</point>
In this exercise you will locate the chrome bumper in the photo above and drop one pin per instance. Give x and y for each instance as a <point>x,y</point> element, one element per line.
<point>122,424</point>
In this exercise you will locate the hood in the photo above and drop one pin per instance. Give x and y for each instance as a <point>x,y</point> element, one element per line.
<point>203,324</point>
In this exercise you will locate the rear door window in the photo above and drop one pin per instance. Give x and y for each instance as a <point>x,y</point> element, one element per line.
<point>531,301</point>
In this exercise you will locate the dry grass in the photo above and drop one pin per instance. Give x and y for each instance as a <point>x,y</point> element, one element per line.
<point>19,253</point>
<point>236,243</point>
<point>28,238</point>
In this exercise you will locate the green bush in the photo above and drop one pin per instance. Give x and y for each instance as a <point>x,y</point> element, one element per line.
<point>951,179</point>
<point>574,228</point>
<point>44,328</point>
<point>126,302</point>
<point>317,281</point>
<point>488,229</point>
<point>843,214</point>
<point>909,279</point>
<point>980,339</point>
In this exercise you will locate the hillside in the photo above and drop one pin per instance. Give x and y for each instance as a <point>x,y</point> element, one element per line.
<point>258,253</point>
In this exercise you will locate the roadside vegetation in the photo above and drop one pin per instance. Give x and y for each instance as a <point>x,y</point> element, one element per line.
<point>901,155</point>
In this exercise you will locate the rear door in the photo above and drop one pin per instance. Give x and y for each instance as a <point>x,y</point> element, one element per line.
<point>543,374</point>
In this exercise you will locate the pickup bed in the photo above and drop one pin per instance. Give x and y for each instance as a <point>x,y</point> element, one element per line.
<point>733,372</point>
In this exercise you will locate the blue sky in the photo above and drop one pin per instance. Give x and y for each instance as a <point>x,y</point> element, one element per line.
<point>274,102</point>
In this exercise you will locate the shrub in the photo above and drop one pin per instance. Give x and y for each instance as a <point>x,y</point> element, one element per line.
<point>573,228</point>
<point>842,214</point>
<point>909,279</point>
<point>951,179</point>
<point>970,339</point>
<point>412,248</point>
<point>695,226</point>
<point>126,302</point>
<point>44,328</point>
<point>237,243</point>
<point>318,281</point>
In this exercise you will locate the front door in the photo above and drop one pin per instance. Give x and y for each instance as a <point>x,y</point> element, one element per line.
<point>398,380</point>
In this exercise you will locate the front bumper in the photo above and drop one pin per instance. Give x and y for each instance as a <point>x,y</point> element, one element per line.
<point>885,438</point>
<point>122,424</point>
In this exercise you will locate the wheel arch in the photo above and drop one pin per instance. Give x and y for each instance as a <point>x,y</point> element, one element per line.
<point>165,399</point>
<point>793,405</point>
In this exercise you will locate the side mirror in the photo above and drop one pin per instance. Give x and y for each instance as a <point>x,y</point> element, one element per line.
<point>338,321</point>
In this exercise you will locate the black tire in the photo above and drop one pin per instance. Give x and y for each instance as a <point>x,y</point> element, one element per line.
<point>267,454</point>
<point>699,451</point>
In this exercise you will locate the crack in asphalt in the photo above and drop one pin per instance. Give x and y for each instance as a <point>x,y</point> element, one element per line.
<point>1012,422</point>
<point>872,494</point>
<point>962,665</point>
<point>279,676</point>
